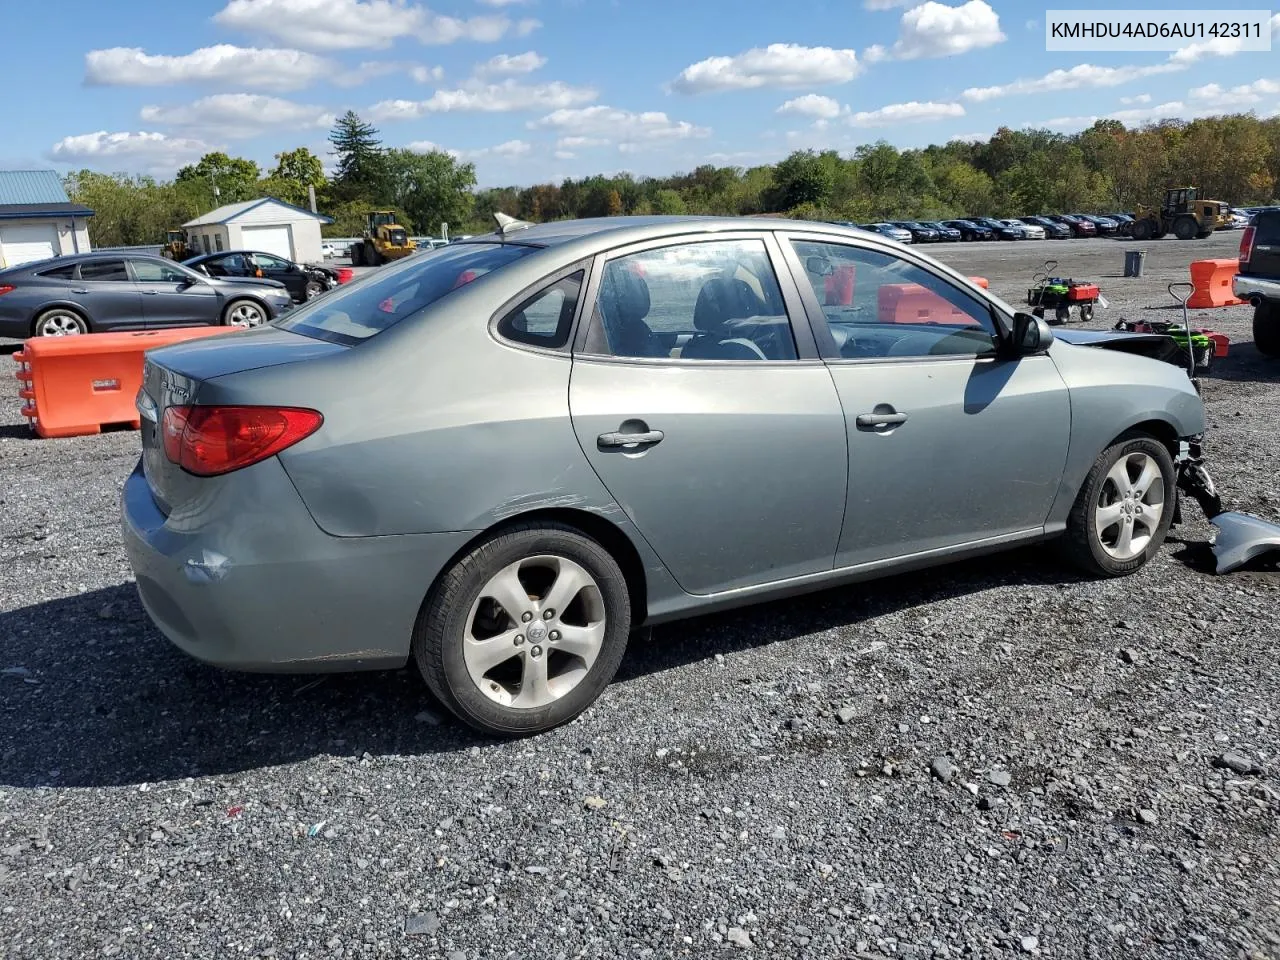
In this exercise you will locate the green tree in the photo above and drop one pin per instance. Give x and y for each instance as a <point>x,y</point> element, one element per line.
<point>804,177</point>
<point>613,204</point>
<point>669,203</point>
<point>432,188</point>
<point>294,172</point>
<point>221,179</point>
<point>362,169</point>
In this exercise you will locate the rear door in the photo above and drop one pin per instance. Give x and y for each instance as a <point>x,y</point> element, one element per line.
<point>707,414</point>
<point>170,298</point>
<point>1265,259</point>
<point>108,294</point>
<point>282,271</point>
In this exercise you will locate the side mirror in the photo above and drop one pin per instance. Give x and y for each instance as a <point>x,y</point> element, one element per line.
<point>1031,335</point>
<point>820,266</point>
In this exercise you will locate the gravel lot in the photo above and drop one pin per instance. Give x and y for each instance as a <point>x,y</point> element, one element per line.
<point>994,758</point>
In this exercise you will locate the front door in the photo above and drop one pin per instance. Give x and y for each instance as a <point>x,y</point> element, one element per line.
<point>948,444</point>
<point>170,298</point>
<point>691,400</point>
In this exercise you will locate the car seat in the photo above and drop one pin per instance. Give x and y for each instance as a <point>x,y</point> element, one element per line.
<point>624,303</point>
<point>721,300</point>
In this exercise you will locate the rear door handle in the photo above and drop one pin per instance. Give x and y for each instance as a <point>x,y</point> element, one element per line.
<point>881,419</point>
<point>646,438</point>
<point>150,293</point>
<point>79,290</point>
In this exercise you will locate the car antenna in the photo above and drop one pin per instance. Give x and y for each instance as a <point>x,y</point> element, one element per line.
<point>508,224</point>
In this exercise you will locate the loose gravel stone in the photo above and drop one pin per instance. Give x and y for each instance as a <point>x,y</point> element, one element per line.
<point>1234,761</point>
<point>942,768</point>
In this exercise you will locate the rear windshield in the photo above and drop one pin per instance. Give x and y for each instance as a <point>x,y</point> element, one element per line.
<point>376,303</point>
<point>1268,224</point>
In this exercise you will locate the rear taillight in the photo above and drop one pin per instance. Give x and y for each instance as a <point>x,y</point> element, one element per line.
<point>5,288</point>
<point>211,440</point>
<point>1246,243</point>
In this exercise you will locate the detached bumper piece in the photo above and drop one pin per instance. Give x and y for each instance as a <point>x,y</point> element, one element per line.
<point>1241,536</point>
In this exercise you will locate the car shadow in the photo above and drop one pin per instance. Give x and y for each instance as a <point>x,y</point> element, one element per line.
<point>92,695</point>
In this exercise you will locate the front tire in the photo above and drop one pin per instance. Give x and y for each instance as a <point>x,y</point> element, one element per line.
<point>1185,229</point>
<point>1266,328</point>
<point>1142,230</point>
<point>524,632</point>
<point>244,314</point>
<point>1124,509</point>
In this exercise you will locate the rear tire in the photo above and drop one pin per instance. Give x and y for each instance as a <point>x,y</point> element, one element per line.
<point>465,628</point>
<point>1266,328</point>
<point>1111,530</point>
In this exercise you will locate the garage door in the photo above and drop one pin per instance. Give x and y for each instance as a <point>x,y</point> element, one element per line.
<point>268,240</point>
<point>23,243</point>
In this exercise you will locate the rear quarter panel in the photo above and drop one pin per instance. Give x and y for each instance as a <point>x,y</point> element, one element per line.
<point>1113,392</point>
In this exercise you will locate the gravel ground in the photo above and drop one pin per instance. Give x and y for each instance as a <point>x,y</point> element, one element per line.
<point>993,758</point>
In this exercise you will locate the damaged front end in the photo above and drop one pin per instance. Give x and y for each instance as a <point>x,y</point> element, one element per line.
<point>1241,536</point>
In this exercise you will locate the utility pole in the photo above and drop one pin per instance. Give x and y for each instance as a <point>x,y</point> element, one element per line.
<point>311,194</point>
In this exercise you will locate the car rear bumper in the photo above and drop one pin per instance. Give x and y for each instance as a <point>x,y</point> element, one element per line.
<point>289,598</point>
<point>1246,287</point>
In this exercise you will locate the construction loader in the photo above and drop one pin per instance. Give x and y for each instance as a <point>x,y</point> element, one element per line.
<point>384,239</point>
<point>1182,214</point>
<point>175,246</point>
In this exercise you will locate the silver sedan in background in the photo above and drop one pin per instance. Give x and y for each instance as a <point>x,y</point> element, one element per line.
<point>499,458</point>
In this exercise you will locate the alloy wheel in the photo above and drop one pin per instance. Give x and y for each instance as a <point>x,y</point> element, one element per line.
<point>1130,505</point>
<point>534,631</point>
<point>60,323</point>
<point>246,315</point>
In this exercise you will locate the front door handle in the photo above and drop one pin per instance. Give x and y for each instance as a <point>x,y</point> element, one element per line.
<point>881,419</point>
<point>79,290</point>
<point>150,293</point>
<point>647,438</point>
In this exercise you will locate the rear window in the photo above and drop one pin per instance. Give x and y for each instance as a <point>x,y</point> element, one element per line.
<point>1268,224</point>
<point>65,272</point>
<point>373,305</point>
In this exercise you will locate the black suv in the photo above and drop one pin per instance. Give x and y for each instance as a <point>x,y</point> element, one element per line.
<point>1258,280</point>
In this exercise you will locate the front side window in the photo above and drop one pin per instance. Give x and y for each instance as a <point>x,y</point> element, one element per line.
<point>879,306</point>
<point>104,270</point>
<point>545,318</point>
<point>148,271</point>
<point>717,300</point>
<point>368,307</point>
<point>266,262</point>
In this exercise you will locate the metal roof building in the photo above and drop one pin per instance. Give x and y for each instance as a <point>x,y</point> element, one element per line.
<point>37,218</point>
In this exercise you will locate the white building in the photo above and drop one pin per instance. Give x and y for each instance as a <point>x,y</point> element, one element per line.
<point>37,219</point>
<point>267,225</point>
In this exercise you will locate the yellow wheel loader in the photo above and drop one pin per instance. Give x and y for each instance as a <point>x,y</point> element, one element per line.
<point>1182,214</point>
<point>383,240</point>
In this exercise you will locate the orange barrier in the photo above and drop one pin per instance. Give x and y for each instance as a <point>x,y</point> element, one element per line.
<point>912,303</point>
<point>1212,282</point>
<point>74,385</point>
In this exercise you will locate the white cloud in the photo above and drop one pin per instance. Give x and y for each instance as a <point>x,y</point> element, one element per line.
<point>566,155</point>
<point>1245,95</point>
<point>575,143</point>
<point>1165,111</point>
<point>1140,98</point>
<point>509,150</point>
<point>245,66</point>
<point>1217,47</point>
<point>427,74</point>
<point>935,30</point>
<point>913,112</point>
<point>152,152</point>
<point>777,65</point>
<point>1082,76</point>
<point>505,65</point>
<point>359,24</point>
<point>630,130</point>
<point>812,105</point>
<point>428,146</point>
<point>527,26</point>
<point>477,97</point>
<point>239,115</point>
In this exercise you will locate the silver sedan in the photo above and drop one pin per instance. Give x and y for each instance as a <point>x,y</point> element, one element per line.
<point>499,458</point>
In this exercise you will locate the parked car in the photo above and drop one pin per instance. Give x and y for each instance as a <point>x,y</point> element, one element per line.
<point>1079,226</point>
<point>302,282</point>
<point>100,292</point>
<point>920,233</point>
<point>1030,231</point>
<point>945,233</point>
<point>1124,223</point>
<point>1106,226</point>
<point>1001,230</point>
<point>888,230</point>
<point>1258,278</point>
<point>971,230</point>
<point>1053,230</point>
<point>340,493</point>
<point>330,250</point>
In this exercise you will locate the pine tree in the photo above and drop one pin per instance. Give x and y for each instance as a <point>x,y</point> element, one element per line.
<point>361,170</point>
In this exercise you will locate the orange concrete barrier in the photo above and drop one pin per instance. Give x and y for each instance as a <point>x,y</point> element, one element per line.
<point>75,385</point>
<point>913,303</point>
<point>1212,282</point>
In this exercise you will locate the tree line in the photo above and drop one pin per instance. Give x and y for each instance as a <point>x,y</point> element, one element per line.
<point>1106,168</point>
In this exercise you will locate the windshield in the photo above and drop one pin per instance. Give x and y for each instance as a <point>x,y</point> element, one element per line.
<point>382,299</point>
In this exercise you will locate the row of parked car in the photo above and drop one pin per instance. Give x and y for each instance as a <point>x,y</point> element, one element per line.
<point>1059,226</point>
